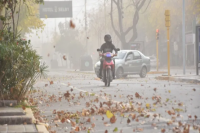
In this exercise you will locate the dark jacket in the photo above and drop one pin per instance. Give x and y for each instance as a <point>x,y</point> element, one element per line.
<point>108,47</point>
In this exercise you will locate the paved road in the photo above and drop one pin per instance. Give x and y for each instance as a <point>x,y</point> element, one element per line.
<point>162,96</point>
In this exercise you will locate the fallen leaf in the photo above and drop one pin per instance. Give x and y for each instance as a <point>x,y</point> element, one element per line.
<point>113,119</point>
<point>128,121</point>
<point>195,117</point>
<point>67,95</point>
<point>133,116</point>
<point>106,124</point>
<point>139,129</point>
<point>180,104</point>
<point>194,89</point>
<point>77,129</point>
<point>88,120</point>
<point>106,131</point>
<point>148,105</point>
<point>54,111</point>
<point>115,130</point>
<point>162,130</point>
<point>73,124</point>
<point>93,125</point>
<point>23,107</point>
<point>153,124</point>
<point>109,114</point>
<point>137,95</point>
<point>155,89</point>
<point>51,82</point>
<point>63,120</point>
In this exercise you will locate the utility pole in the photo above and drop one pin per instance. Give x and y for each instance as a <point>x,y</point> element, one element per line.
<point>167,24</point>
<point>86,26</point>
<point>183,36</point>
<point>105,15</point>
<point>157,38</point>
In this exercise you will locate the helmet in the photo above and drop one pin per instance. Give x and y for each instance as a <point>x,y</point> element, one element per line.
<point>107,38</point>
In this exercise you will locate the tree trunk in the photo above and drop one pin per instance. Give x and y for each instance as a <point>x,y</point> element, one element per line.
<point>1,23</point>
<point>121,34</point>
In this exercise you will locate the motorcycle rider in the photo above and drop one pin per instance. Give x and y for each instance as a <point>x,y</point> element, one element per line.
<point>108,46</point>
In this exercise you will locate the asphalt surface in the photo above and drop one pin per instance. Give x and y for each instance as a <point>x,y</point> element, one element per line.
<point>182,98</point>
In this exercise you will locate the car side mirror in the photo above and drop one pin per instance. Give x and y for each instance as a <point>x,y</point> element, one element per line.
<point>98,50</point>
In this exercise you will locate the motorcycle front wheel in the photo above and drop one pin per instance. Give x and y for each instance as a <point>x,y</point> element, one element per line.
<point>108,76</point>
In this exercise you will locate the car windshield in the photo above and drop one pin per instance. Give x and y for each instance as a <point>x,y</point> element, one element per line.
<point>120,55</point>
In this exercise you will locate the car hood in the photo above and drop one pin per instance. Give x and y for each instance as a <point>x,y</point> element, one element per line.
<point>118,61</point>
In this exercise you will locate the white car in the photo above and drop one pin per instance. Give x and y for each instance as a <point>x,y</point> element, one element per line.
<point>129,62</point>
<point>153,61</point>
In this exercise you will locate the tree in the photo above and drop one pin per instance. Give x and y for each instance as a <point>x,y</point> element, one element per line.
<point>69,44</point>
<point>121,34</point>
<point>12,10</point>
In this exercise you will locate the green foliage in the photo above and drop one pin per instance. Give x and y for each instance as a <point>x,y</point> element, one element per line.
<point>20,67</point>
<point>21,15</point>
<point>29,18</point>
<point>19,64</point>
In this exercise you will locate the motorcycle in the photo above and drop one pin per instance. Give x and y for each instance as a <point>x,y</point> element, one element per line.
<point>108,67</point>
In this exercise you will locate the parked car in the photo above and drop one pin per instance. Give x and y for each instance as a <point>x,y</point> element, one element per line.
<point>153,62</point>
<point>129,62</point>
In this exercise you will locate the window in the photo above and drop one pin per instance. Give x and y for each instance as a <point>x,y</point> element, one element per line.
<point>129,56</point>
<point>137,55</point>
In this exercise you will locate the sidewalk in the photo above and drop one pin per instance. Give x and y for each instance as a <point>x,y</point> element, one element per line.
<point>181,78</point>
<point>17,120</point>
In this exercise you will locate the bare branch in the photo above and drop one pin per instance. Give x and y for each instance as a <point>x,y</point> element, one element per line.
<point>128,30</point>
<point>18,15</point>
<point>141,4</point>
<point>135,21</point>
<point>114,1</point>
<point>120,18</point>
<point>129,5</point>
<point>112,23</point>
<point>146,7</point>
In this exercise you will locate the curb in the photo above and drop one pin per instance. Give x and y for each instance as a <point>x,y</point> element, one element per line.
<point>195,81</point>
<point>42,128</point>
<point>29,113</point>
<point>156,72</point>
<point>8,103</point>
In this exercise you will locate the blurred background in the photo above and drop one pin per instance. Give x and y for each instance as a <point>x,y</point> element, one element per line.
<point>92,20</point>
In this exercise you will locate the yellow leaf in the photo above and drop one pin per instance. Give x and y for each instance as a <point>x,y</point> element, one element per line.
<point>148,105</point>
<point>169,91</point>
<point>109,114</point>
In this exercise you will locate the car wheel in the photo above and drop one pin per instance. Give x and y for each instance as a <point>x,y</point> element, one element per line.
<point>143,72</point>
<point>119,73</point>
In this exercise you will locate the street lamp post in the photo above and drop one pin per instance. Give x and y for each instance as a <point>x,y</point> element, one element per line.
<point>183,36</point>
